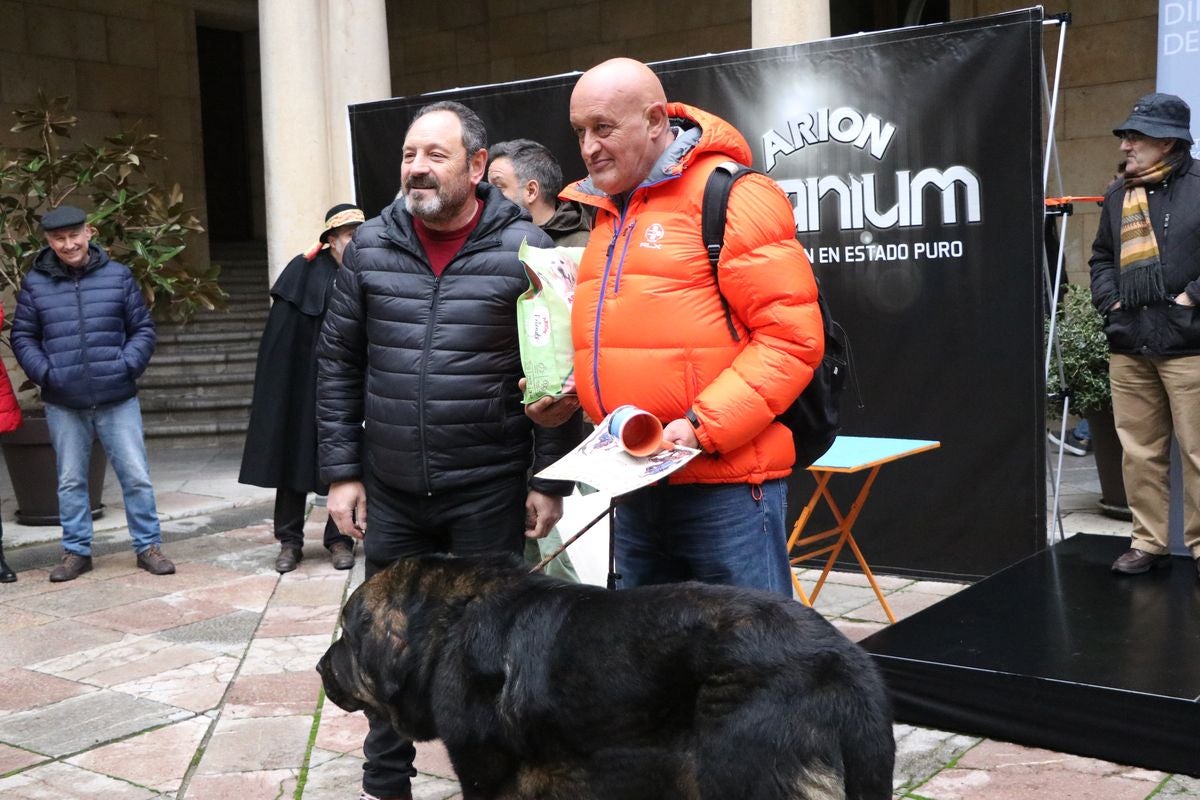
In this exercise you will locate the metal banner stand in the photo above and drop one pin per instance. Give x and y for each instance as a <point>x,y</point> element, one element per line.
<point>1055,207</point>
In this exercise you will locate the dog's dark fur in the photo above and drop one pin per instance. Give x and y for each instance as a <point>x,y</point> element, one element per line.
<point>549,690</point>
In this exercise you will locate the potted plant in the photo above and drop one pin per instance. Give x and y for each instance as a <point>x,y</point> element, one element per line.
<point>1084,351</point>
<point>141,223</point>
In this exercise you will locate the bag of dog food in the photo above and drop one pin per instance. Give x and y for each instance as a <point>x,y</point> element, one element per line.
<point>544,320</point>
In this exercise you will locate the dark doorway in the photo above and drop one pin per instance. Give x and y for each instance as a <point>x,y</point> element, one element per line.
<point>223,119</point>
<point>855,16</point>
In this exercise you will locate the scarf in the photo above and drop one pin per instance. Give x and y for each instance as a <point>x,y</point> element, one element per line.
<point>1142,280</point>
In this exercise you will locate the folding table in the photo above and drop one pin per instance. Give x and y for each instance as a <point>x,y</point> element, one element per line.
<point>848,454</point>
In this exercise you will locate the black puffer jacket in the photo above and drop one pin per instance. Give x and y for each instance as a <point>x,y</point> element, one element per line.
<point>1166,328</point>
<point>417,373</point>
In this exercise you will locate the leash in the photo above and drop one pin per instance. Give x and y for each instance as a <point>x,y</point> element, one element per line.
<point>613,577</point>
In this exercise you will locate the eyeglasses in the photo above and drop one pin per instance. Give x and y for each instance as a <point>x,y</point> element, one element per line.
<point>1133,137</point>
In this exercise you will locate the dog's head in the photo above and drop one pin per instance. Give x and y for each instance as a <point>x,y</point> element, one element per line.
<point>370,665</point>
<point>394,628</point>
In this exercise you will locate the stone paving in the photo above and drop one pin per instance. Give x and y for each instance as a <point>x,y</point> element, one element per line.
<point>200,685</point>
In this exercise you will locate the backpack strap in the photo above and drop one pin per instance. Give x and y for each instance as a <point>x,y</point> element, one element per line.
<point>713,210</point>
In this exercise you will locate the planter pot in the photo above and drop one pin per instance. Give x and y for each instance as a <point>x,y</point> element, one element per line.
<point>32,468</point>
<point>1106,448</point>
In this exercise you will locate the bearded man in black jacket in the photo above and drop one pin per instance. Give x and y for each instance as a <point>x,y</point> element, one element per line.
<point>420,422</point>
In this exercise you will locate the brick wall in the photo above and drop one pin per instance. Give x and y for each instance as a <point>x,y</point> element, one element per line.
<point>472,42</point>
<point>119,61</point>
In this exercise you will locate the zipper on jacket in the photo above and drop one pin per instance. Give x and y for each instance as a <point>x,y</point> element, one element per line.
<point>624,249</point>
<point>619,230</point>
<point>600,307</point>
<point>604,289</point>
<point>425,351</point>
<point>1166,228</point>
<point>83,357</point>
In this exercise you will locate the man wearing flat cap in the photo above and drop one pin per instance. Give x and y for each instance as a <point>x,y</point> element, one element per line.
<point>83,334</point>
<point>281,441</point>
<point>1145,271</point>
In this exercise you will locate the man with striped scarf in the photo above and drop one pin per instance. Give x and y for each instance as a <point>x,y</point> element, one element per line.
<point>1145,271</point>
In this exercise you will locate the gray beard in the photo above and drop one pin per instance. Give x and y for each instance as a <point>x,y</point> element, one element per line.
<point>441,207</point>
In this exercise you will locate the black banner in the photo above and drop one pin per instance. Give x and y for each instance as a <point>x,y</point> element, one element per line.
<point>913,160</point>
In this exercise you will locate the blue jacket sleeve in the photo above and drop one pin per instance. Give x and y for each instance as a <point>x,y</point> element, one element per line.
<point>140,336</point>
<point>27,337</point>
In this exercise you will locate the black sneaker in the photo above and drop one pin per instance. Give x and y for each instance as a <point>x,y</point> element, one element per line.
<point>72,566</point>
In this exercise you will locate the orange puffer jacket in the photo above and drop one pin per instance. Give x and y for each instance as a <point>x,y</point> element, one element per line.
<point>648,324</point>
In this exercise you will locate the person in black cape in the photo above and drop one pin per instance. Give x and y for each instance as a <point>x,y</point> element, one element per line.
<point>281,442</point>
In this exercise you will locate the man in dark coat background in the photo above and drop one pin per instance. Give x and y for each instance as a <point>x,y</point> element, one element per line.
<point>1145,271</point>
<point>281,442</point>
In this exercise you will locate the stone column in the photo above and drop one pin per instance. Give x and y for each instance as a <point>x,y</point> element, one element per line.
<point>357,70</point>
<point>318,57</point>
<point>295,136</point>
<point>780,22</point>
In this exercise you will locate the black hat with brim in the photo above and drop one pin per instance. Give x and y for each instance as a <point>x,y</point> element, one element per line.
<point>1160,116</point>
<point>339,215</point>
<point>62,217</point>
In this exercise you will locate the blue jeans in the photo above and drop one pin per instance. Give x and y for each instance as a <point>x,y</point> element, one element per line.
<point>119,428</point>
<point>731,534</point>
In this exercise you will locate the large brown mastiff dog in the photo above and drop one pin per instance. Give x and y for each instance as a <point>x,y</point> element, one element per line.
<point>556,691</point>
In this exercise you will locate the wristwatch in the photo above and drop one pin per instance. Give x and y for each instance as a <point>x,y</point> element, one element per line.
<point>691,417</point>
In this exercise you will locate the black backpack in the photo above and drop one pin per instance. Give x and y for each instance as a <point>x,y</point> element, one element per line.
<point>814,418</point>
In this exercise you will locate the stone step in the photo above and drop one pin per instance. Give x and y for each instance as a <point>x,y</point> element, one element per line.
<point>252,327</point>
<point>253,316</point>
<point>189,362</point>
<point>200,383</point>
<point>193,410</point>
<point>226,430</point>
<point>248,275</point>
<point>257,288</point>
<point>251,302</point>
<point>192,402</point>
<point>202,344</point>
<point>190,336</point>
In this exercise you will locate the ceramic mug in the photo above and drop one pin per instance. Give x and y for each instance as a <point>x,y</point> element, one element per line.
<point>639,432</point>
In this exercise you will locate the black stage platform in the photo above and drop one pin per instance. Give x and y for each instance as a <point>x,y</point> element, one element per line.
<point>1058,652</point>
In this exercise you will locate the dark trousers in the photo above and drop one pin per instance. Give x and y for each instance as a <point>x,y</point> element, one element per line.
<point>289,521</point>
<point>471,520</point>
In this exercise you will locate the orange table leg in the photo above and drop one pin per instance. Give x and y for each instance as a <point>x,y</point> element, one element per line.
<point>844,531</point>
<point>805,513</point>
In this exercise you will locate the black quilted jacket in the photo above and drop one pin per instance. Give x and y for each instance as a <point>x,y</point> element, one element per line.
<point>417,373</point>
<point>1166,328</point>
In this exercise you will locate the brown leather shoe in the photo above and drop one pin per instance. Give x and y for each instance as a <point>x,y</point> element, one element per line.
<point>289,556</point>
<point>153,561</point>
<point>72,566</point>
<point>342,555</point>
<point>1135,562</point>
